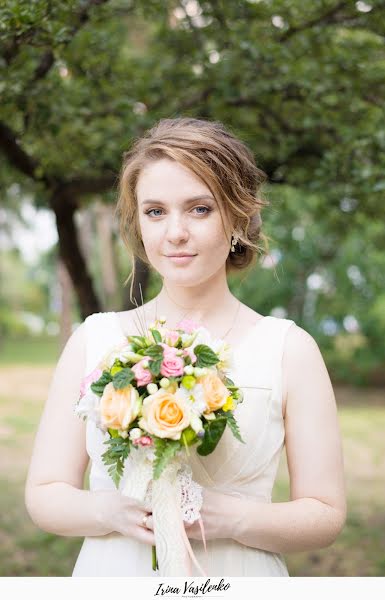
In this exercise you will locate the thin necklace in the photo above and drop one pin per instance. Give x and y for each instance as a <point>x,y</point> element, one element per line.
<point>223,337</point>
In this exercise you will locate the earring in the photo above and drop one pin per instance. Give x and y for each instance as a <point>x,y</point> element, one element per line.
<point>234,240</point>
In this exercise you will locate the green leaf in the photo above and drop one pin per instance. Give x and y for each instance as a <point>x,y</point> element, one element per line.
<point>213,433</point>
<point>154,366</point>
<point>115,456</point>
<point>155,351</point>
<point>165,449</point>
<point>156,335</point>
<point>137,340</point>
<point>232,423</point>
<point>205,356</point>
<point>123,378</point>
<point>98,386</point>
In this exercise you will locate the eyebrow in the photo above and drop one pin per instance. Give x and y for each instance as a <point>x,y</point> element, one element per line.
<point>186,201</point>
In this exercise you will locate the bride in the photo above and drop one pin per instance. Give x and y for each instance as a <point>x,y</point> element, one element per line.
<point>189,206</point>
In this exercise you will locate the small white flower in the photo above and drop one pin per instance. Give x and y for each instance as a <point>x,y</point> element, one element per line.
<point>188,369</point>
<point>145,364</point>
<point>162,319</point>
<point>210,416</point>
<point>196,423</point>
<point>164,382</point>
<point>152,388</point>
<point>194,398</point>
<point>125,353</point>
<point>198,371</point>
<point>135,433</point>
<point>123,434</point>
<point>88,406</point>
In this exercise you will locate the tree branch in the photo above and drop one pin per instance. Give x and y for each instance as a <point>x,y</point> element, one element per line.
<point>330,16</point>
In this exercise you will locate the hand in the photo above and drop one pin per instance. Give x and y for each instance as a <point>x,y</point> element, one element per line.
<point>217,516</point>
<point>124,515</point>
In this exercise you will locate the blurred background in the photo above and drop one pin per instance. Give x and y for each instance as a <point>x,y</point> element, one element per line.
<point>302,83</point>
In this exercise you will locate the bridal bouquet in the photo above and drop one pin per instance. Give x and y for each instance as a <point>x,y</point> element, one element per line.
<point>157,395</point>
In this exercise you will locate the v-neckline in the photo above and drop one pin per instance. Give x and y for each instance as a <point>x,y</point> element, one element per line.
<point>234,347</point>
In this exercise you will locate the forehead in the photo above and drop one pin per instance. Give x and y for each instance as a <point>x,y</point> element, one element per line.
<point>164,178</point>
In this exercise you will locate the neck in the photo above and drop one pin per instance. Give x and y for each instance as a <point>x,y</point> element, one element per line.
<point>210,302</point>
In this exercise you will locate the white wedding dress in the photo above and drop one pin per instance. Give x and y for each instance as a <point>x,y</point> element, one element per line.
<point>240,469</point>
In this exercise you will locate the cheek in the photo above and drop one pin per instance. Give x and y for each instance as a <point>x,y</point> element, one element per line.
<point>147,232</point>
<point>213,234</point>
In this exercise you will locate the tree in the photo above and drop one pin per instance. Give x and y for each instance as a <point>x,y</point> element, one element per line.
<point>301,82</point>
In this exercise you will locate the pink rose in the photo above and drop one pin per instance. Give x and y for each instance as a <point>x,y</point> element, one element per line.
<point>188,325</point>
<point>86,382</point>
<point>172,365</point>
<point>168,350</point>
<point>144,440</point>
<point>143,375</point>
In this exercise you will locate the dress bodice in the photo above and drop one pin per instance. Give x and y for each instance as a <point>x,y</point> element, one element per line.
<point>236,468</point>
<point>239,469</point>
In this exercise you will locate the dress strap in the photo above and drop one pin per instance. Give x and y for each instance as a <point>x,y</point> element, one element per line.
<point>282,326</point>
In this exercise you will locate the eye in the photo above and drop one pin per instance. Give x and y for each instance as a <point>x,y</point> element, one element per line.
<point>151,209</point>
<point>206,209</point>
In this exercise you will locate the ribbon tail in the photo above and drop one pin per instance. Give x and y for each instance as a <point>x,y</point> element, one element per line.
<point>189,549</point>
<point>203,533</point>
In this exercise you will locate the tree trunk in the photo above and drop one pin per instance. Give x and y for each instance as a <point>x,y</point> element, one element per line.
<point>104,217</point>
<point>71,255</point>
<point>65,287</point>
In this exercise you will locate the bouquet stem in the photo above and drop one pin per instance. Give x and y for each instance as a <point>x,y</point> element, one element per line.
<point>154,559</point>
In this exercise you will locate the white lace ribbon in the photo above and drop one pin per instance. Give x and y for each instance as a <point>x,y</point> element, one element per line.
<point>172,499</point>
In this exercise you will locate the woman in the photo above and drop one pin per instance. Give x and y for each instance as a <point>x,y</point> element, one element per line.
<point>189,205</point>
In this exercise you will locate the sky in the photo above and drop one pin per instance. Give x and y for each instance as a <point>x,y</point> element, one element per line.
<point>37,236</point>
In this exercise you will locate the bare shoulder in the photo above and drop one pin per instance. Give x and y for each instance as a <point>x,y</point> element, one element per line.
<point>302,363</point>
<point>251,316</point>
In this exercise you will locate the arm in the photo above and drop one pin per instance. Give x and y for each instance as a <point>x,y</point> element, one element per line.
<point>316,512</point>
<point>54,495</point>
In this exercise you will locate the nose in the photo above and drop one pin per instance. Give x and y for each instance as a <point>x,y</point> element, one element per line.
<point>177,231</point>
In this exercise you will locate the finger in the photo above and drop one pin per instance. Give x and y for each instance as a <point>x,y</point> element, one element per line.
<point>150,523</point>
<point>146,536</point>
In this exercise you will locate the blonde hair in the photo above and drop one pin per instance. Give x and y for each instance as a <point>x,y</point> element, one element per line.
<point>220,160</point>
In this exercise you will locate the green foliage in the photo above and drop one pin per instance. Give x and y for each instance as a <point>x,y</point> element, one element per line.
<point>123,378</point>
<point>165,450</point>
<point>115,457</point>
<point>98,386</point>
<point>156,335</point>
<point>205,356</point>
<point>232,423</point>
<point>301,82</point>
<point>213,432</point>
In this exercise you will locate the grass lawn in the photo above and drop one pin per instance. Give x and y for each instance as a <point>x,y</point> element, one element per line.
<point>27,551</point>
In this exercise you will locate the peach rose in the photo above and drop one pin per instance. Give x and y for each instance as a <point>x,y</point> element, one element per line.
<point>165,415</point>
<point>214,390</point>
<point>118,408</point>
